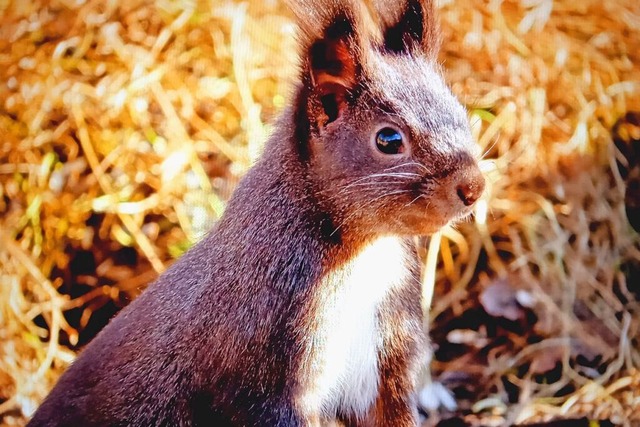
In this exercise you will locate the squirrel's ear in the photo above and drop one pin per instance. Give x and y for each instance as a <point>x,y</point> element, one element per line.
<point>332,66</point>
<point>415,28</point>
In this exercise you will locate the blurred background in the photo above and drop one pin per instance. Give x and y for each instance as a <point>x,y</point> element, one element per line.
<point>125,125</point>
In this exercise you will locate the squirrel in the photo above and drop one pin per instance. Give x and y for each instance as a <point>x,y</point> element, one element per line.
<point>302,306</point>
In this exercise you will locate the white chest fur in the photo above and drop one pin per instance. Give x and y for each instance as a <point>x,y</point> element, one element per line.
<point>342,354</point>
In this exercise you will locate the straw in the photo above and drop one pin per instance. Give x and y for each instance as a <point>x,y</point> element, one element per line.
<point>125,126</point>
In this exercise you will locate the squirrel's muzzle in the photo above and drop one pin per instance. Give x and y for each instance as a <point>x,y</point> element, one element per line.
<point>471,186</point>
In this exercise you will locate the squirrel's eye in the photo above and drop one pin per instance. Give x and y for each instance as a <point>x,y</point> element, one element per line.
<point>389,141</point>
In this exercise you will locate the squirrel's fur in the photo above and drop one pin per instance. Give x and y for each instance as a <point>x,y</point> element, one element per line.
<point>303,303</point>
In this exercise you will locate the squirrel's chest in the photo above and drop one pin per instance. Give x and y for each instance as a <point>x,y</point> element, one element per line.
<point>341,360</point>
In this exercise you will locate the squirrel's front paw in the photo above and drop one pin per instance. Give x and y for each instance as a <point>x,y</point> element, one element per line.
<point>434,395</point>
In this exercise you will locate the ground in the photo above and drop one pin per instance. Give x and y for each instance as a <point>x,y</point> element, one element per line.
<point>126,125</point>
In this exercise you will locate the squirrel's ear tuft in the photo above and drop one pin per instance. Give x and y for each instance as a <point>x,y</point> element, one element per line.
<point>334,66</point>
<point>414,29</point>
<point>331,53</point>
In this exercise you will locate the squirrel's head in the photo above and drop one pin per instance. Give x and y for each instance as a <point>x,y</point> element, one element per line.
<point>386,144</point>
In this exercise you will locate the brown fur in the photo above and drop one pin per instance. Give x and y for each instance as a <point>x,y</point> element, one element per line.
<point>232,333</point>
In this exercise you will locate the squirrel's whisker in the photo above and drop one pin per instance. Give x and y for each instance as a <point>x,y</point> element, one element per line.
<point>366,205</point>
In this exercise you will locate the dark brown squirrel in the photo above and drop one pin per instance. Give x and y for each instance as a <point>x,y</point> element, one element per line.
<point>303,305</point>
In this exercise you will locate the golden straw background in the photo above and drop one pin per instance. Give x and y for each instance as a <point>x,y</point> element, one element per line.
<point>125,125</point>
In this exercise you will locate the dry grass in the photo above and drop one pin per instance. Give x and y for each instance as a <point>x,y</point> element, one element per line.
<point>124,127</point>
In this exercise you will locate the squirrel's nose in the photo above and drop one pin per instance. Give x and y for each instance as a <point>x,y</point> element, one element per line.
<point>471,188</point>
